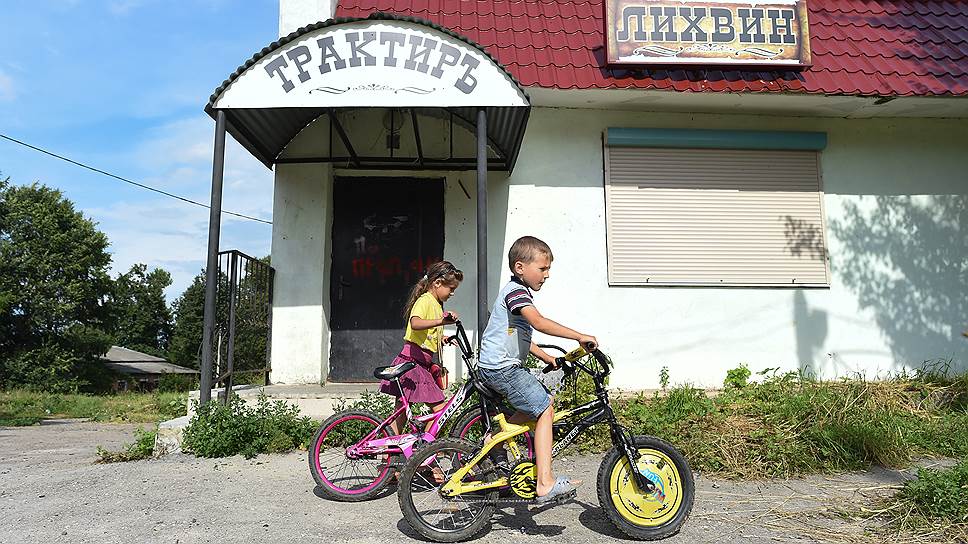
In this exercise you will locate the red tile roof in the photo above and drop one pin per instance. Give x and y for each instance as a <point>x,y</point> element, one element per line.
<point>860,47</point>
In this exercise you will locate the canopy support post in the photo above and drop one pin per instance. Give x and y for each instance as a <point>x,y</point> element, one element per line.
<point>211,268</point>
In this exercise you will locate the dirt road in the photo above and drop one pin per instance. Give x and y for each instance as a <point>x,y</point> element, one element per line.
<point>52,491</point>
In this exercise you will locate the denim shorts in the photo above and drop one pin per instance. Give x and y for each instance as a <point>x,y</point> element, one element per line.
<point>519,387</point>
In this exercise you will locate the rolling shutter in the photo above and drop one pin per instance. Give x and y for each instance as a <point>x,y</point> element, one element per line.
<point>694,216</point>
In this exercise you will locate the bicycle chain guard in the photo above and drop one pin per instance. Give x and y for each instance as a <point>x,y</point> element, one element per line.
<point>524,479</point>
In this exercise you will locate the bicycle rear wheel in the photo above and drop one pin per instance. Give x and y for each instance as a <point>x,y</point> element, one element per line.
<point>339,477</point>
<point>437,517</point>
<point>640,515</point>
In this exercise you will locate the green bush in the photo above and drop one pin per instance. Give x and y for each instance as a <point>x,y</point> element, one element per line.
<point>141,448</point>
<point>220,430</point>
<point>939,494</point>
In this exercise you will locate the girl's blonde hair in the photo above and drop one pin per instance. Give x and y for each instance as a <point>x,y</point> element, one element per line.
<point>444,271</point>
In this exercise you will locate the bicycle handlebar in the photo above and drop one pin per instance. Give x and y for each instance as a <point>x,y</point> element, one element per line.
<point>569,362</point>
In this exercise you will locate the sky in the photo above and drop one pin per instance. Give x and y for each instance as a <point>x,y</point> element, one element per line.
<point>121,85</point>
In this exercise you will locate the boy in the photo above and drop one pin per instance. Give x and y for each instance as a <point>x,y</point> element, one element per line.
<point>505,345</point>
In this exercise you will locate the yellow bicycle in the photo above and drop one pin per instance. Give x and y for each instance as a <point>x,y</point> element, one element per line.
<point>644,484</point>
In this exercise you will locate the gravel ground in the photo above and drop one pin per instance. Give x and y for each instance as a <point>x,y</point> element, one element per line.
<point>51,489</point>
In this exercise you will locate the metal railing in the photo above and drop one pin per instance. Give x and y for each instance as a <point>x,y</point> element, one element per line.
<point>242,338</point>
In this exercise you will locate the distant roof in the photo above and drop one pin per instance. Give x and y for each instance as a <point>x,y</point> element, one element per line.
<point>118,354</point>
<point>860,47</point>
<point>149,368</point>
<point>129,361</point>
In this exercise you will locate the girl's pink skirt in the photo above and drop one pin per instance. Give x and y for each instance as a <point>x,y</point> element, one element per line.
<point>418,383</point>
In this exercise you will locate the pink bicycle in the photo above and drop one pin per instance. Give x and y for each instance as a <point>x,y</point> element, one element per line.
<point>353,455</point>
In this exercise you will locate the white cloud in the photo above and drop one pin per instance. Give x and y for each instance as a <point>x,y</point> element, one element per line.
<point>123,7</point>
<point>167,233</point>
<point>7,91</point>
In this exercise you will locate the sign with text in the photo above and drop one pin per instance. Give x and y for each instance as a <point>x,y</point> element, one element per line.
<point>373,63</point>
<point>701,32</point>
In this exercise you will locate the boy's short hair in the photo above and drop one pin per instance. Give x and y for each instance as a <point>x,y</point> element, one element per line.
<point>526,249</point>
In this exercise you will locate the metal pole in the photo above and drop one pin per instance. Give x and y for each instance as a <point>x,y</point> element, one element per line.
<point>211,269</point>
<point>481,224</point>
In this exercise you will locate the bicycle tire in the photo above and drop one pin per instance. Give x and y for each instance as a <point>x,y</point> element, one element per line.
<point>640,516</point>
<point>368,486</point>
<point>409,483</point>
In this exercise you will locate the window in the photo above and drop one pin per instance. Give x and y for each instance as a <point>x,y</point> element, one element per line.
<point>698,207</point>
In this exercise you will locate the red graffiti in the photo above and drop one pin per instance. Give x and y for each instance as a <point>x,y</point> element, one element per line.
<point>384,268</point>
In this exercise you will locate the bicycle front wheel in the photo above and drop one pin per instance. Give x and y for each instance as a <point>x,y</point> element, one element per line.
<point>338,476</point>
<point>434,516</point>
<point>641,515</point>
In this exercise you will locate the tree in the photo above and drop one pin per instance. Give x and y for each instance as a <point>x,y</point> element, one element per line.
<point>189,314</point>
<point>54,291</point>
<point>142,320</point>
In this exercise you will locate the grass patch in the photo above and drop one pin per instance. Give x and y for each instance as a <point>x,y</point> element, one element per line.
<point>931,508</point>
<point>220,430</point>
<point>141,448</point>
<point>21,407</point>
<point>789,425</point>
<point>939,494</point>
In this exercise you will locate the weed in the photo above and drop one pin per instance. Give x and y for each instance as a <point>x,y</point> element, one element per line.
<point>939,493</point>
<point>377,403</point>
<point>141,448</point>
<point>737,378</point>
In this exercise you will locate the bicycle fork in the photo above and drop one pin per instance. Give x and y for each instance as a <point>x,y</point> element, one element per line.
<point>622,438</point>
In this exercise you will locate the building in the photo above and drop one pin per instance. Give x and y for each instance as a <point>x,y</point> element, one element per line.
<point>139,371</point>
<point>803,210</point>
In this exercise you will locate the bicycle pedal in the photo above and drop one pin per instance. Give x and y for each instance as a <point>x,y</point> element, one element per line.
<point>560,499</point>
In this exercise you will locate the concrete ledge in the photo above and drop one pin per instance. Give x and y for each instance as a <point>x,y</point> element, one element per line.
<point>315,401</point>
<point>170,434</point>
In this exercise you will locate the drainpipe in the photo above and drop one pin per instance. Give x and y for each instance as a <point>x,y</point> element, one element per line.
<point>481,224</point>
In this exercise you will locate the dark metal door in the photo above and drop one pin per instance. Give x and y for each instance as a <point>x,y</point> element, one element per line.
<point>385,233</point>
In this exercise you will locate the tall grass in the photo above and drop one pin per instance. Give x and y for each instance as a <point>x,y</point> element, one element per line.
<point>791,424</point>
<point>20,407</point>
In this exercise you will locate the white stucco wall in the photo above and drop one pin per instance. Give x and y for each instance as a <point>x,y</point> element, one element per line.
<point>295,14</point>
<point>301,255</point>
<point>878,315</point>
<point>910,167</point>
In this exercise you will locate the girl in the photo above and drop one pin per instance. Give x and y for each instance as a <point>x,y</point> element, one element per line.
<point>426,318</point>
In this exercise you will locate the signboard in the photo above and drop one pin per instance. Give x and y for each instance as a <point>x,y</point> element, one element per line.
<point>373,64</point>
<point>700,32</point>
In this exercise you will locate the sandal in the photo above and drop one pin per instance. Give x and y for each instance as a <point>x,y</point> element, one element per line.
<point>563,489</point>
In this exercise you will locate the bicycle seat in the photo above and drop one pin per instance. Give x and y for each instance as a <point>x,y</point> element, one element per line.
<point>392,372</point>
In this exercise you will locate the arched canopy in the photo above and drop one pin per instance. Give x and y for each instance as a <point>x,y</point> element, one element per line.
<point>381,61</point>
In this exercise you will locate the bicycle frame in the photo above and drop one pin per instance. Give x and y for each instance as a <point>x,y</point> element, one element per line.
<point>405,443</point>
<point>593,412</point>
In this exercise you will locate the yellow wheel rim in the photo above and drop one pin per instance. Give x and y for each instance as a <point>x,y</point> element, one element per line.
<point>638,507</point>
